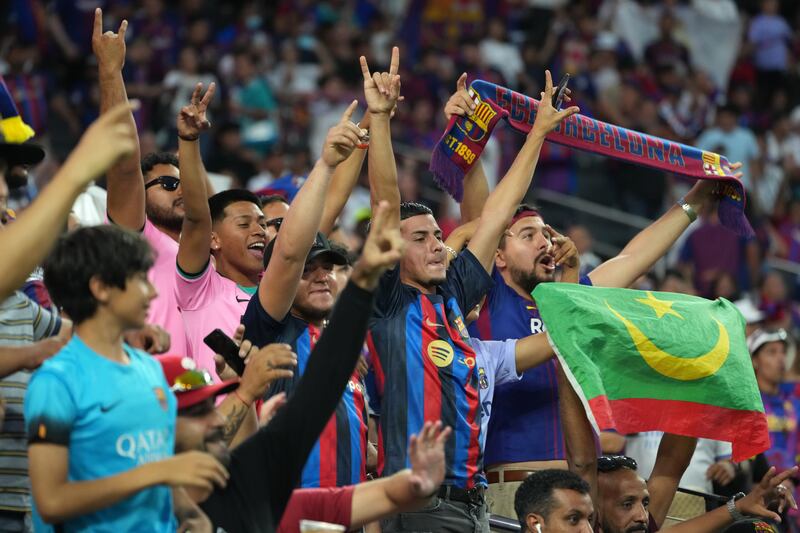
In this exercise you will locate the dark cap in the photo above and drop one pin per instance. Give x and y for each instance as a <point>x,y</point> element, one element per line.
<point>190,384</point>
<point>21,154</point>
<point>320,248</point>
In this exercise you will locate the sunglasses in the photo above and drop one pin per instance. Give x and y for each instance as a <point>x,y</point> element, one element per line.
<point>168,183</point>
<point>192,380</point>
<point>610,463</point>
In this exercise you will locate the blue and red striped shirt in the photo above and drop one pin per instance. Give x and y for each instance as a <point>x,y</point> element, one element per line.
<point>525,424</point>
<point>339,457</point>
<point>426,370</point>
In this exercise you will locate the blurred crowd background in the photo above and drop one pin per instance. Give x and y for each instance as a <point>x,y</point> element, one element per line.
<point>718,74</point>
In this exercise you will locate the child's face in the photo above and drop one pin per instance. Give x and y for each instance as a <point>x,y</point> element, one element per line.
<point>132,304</point>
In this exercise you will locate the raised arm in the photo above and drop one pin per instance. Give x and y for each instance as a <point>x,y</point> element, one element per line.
<point>381,91</point>
<point>406,490</point>
<point>344,180</point>
<point>674,454</point>
<point>125,182</point>
<point>476,186</point>
<point>272,460</point>
<point>652,242</point>
<point>194,249</point>
<point>500,206</point>
<point>28,240</point>
<point>278,286</point>
<point>756,503</point>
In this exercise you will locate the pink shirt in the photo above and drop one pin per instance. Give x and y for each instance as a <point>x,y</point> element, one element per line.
<point>208,301</point>
<point>164,309</point>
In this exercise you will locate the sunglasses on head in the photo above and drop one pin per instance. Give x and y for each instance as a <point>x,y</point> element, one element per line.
<point>192,380</point>
<point>610,463</point>
<point>168,183</point>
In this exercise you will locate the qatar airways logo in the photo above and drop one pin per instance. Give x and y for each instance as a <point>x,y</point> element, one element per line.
<point>145,446</point>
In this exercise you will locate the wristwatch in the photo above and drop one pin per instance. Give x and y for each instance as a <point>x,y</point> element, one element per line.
<point>734,512</point>
<point>688,209</point>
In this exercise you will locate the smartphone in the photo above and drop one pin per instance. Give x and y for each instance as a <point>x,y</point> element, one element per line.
<point>223,345</point>
<point>560,92</point>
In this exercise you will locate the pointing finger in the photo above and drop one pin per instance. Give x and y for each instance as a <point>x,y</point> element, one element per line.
<point>98,23</point>
<point>548,84</point>
<point>365,68</point>
<point>122,29</point>
<point>349,111</point>
<point>212,88</point>
<point>394,65</point>
<point>461,84</point>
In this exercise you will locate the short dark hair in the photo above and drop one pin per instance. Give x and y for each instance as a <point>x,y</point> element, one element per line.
<point>221,200</point>
<point>268,199</point>
<point>158,158</point>
<point>109,252</point>
<point>536,494</point>
<point>412,209</point>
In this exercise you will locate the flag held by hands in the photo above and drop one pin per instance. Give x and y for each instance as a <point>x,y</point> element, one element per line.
<point>646,361</point>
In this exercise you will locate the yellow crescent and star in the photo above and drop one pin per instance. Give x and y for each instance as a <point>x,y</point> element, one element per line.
<point>666,364</point>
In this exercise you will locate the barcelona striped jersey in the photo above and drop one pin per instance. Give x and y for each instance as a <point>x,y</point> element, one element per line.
<point>339,455</point>
<point>425,370</point>
<point>525,424</point>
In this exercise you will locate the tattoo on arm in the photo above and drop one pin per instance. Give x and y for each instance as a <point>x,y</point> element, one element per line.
<point>233,422</point>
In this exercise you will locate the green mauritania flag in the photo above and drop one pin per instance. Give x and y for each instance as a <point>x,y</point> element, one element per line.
<point>645,361</point>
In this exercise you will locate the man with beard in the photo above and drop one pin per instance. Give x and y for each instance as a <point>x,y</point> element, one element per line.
<point>525,432</point>
<point>424,366</point>
<point>266,467</point>
<point>558,501</point>
<point>295,296</point>
<point>147,195</point>
<point>231,227</point>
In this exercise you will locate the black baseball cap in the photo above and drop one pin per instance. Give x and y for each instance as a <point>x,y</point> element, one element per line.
<point>21,153</point>
<point>320,248</point>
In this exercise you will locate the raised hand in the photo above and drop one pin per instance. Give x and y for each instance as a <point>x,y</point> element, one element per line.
<point>459,103</point>
<point>756,502</point>
<point>547,117</point>
<point>270,363</point>
<point>270,407</point>
<point>382,250</point>
<point>426,455</point>
<point>225,372</point>
<point>109,138</point>
<point>564,250</point>
<point>343,138</point>
<point>108,47</point>
<point>192,118</point>
<point>382,89</point>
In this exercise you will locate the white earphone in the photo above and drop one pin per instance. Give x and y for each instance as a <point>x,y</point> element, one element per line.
<point>538,528</point>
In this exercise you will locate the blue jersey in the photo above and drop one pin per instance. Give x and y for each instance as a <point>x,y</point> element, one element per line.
<point>339,457</point>
<point>112,418</point>
<point>525,423</point>
<point>425,368</point>
<point>782,411</point>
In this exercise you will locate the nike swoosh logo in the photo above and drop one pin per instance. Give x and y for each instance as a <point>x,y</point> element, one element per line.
<point>432,324</point>
<point>107,408</point>
<point>242,301</point>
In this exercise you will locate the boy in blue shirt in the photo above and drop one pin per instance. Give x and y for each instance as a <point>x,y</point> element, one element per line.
<point>100,415</point>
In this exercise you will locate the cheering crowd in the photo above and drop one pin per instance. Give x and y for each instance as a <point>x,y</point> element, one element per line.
<point>387,366</point>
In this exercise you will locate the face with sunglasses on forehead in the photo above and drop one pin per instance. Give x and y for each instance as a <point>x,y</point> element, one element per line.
<point>164,196</point>
<point>624,498</point>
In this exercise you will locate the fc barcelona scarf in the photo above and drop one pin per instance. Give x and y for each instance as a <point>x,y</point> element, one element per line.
<point>465,137</point>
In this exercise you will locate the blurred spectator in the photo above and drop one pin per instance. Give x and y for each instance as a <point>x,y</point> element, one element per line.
<point>253,103</point>
<point>498,53</point>
<point>583,242</point>
<point>666,50</point>
<point>731,140</point>
<point>770,36</point>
